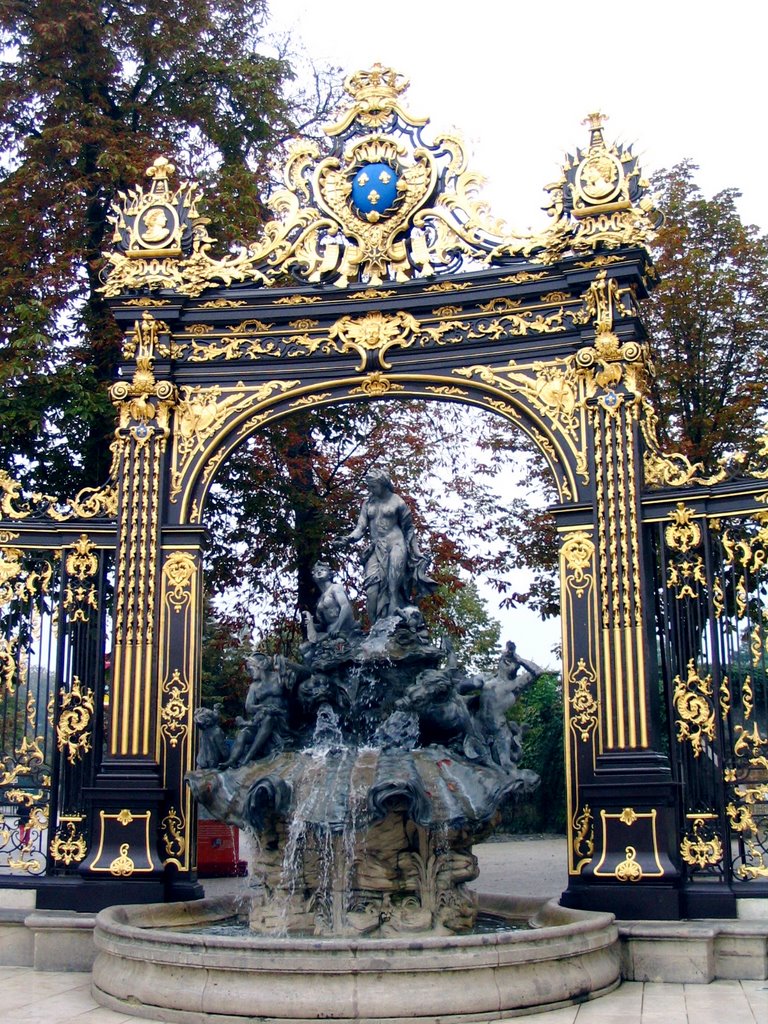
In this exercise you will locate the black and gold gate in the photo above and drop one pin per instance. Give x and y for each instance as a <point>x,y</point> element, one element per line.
<point>382,275</point>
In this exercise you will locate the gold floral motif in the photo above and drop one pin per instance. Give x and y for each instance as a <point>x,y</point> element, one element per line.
<point>524,277</point>
<point>68,846</point>
<point>692,700</point>
<point>174,711</point>
<point>297,300</point>
<point>375,332</point>
<point>628,816</point>
<point>179,570</point>
<point>629,870</point>
<point>236,303</point>
<point>122,866</point>
<point>699,850</point>
<point>683,576</point>
<point>683,533</point>
<point>452,286</point>
<point>77,706</point>
<point>376,384</point>
<point>8,536</point>
<point>579,552</point>
<point>82,563</point>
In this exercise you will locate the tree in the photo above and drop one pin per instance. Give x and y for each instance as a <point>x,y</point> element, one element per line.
<point>540,711</point>
<point>91,93</point>
<point>708,322</point>
<point>280,500</point>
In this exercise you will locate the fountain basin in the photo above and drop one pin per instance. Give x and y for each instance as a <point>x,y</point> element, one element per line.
<point>146,967</point>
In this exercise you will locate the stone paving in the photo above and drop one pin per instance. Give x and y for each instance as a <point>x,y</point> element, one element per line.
<point>530,865</point>
<point>31,997</point>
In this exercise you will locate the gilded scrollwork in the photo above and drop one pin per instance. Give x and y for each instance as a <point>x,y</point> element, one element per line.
<point>144,404</point>
<point>584,706</point>
<point>76,707</point>
<point>374,332</point>
<point>179,570</point>
<point>553,389</point>
<point>68,846</point>
<point>746,815</point>
<point>173,835</point>
<point>685,575</point>
<point>702,847</point>
<point>201,412</point>
<point>683,533</point>
<point>583,842</point>
<point>693,703</point>
<point>579,551</point>
<point>174,713</point>
<point>89,503</point>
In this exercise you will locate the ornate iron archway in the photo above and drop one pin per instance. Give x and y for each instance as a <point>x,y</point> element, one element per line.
<point>381,274</point>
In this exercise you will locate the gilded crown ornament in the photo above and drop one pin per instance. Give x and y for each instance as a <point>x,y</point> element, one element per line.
<point>382,204</point>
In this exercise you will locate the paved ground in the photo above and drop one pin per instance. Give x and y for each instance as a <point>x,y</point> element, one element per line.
<point>29,997</point>
<point>533,866</point>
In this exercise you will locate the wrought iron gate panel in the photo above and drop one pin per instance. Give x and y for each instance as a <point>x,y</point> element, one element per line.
<point>55,625</point>
<point>711,587</point>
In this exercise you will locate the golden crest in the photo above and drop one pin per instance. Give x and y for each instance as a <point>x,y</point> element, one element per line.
<point>381,203</point>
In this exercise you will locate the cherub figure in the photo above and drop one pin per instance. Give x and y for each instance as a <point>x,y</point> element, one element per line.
<point>266,708</point>
<point>334,615</point>
<point>497,694</point>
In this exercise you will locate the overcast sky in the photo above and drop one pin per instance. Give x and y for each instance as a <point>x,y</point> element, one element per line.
<point>677,78</point>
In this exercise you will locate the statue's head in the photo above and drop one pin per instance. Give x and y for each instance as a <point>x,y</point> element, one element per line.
<point>377,475</point>
<point>322,571</point>
<point>258,665</point>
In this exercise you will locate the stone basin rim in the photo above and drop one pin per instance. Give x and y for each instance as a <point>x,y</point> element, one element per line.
<point>122,922</point>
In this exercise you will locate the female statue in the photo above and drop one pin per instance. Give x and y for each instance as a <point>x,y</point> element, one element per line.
<point>394,564</point>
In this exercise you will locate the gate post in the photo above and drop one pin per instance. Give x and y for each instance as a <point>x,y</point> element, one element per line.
<point>139,822</point>
<point>622,801</point>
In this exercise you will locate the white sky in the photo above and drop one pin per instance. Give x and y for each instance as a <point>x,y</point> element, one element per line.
<point>677,79</point>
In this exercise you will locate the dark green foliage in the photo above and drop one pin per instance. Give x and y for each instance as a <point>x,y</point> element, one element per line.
<point>224,677</point>
<point>540,711</point>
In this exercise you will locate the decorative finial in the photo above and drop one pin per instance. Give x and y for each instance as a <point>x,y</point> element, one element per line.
<point>595,120</point>
<point>160,171</point>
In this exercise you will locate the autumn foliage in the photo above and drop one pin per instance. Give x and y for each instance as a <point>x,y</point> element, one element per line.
<point>90,94</point>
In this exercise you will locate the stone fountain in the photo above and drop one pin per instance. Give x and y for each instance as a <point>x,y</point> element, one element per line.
<point>365,771</point>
